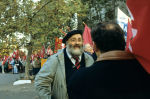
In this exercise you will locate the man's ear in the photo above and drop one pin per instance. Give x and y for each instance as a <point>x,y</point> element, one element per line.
<point>97,50</point>
<point>95,47</point>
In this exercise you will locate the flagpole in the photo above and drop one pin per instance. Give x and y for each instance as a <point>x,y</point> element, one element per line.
<point>83,23</point>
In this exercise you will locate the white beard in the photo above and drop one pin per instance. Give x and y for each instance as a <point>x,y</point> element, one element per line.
<point>74,52</point>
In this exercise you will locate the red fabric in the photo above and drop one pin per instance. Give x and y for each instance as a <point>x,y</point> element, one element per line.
<point>77,63</point>
<point>43,50</point>
<point>60,43</point>
<point>56,44</point>
<point>14,54</point>
<point>17,54</point>
<point>10,58</point>
<point>24,57</point>
<point>87,36</point>
<point>5,59</point>
<point>141,22</point>
<point>32,57</point>
<point>129,35</point>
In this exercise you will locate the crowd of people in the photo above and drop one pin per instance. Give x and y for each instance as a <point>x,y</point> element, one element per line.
<point>12,66</point>
<point>16,66</point>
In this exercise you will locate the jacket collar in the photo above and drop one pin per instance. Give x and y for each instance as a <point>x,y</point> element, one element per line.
<point>115,55</point>
<point>61,61</point>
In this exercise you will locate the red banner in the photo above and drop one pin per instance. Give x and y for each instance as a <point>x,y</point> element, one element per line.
<point>87,36</point>
<point>139,44</point>
<point>56,44</point>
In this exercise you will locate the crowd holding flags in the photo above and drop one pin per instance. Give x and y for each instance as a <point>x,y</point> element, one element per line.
<point>139,42</point>
<point>4,59</point>
<point>137,35</point>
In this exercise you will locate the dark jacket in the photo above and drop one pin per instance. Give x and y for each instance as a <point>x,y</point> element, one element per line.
<point>111,78</point>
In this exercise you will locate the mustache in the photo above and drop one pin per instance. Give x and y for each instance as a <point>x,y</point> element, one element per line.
<point>77,45</point>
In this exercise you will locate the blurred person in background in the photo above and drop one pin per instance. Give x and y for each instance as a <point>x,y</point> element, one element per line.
<point>89,50</point>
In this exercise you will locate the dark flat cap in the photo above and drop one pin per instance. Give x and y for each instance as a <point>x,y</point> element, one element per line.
<point>69,34</point>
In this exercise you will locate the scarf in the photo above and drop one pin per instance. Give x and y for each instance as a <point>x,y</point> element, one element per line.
<point>115,55</point>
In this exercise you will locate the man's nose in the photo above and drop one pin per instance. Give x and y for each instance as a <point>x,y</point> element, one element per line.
<point>78,42</point>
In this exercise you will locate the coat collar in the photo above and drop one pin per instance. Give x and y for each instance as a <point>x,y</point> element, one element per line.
<point>61,60</point>
<point>115,55</point>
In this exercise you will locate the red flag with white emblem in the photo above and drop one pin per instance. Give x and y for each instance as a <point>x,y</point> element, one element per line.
<point>139,44</point>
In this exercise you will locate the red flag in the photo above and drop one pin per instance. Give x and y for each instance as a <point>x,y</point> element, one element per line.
<point>5,59</point>
<point>87,35</point>
<point>17,54</point>
<point>24,57</point>
<point>14,54</point>
<point>56,44</point>
<point>42,52</point>
<point>32,57</point>
<point>10,58</point>
<point>139,10</point>
<point>43,49</point>
<point>60,43</point>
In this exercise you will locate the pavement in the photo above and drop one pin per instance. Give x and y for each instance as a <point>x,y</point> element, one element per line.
<point>10,91</point>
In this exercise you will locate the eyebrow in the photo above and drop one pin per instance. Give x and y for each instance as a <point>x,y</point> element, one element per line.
<point>76,38</point>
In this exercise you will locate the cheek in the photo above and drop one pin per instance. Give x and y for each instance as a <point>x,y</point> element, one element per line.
<point>81,43</point>
<point>71,44</point>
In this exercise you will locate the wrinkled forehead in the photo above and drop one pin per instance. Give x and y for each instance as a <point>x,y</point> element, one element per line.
<point>76,36</point>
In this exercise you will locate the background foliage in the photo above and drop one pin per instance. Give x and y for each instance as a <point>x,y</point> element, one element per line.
<point>24,23</point>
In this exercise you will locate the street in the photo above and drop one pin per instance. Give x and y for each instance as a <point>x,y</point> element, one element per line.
<point>10,91</point>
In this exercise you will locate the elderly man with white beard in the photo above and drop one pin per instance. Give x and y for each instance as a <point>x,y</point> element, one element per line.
<point>51,81</point>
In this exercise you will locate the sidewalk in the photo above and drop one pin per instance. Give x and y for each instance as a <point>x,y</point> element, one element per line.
<point>9,91</point>
<point>9,78</point>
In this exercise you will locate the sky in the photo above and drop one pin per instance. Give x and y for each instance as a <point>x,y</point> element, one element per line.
<point>36,0</point>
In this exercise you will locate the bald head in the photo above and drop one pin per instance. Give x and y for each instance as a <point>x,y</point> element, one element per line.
<point>108,37</point>
<point>88,48</point>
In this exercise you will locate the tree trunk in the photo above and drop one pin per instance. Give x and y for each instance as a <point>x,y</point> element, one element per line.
<point>29,48</point>
<point>114,7</point>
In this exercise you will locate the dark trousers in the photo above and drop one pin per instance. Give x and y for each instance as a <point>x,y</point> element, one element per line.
<point>35,70</point>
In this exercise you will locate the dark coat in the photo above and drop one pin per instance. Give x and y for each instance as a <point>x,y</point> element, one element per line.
<point>111,79</point>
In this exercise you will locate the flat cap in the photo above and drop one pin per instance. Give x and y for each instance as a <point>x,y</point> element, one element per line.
<point>69,34</point>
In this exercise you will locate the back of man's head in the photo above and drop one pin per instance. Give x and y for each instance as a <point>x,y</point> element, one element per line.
<point>108,37</point>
